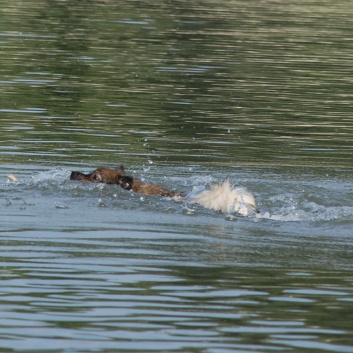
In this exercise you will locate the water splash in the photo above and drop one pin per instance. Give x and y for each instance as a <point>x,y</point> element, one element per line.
<point>324,203</point>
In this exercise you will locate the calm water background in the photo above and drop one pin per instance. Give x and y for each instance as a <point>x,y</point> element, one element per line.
<point>184,94</point>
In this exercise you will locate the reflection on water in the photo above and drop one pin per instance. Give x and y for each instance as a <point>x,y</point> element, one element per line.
<point>241,83</point>
<point>184,94</point>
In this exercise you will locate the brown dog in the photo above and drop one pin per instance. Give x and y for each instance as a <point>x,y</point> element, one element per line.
<point>118,176</point>
<point>136,185</point>
<point>100,175</point>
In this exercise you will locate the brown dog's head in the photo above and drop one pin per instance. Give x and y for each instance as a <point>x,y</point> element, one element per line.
<point>100,175</point>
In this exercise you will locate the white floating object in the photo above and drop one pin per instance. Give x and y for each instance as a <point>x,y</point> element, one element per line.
<point>12,177</point>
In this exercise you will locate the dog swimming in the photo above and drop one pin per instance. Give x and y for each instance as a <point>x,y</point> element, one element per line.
<point>222,197</point>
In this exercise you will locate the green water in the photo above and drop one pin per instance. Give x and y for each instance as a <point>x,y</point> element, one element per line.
<point>184,94</point>
<point>256,82</point>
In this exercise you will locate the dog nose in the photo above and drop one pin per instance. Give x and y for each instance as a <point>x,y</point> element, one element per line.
<point>75,175</point>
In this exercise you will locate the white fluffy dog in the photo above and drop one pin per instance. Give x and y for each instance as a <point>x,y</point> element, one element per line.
<point>226,198</point>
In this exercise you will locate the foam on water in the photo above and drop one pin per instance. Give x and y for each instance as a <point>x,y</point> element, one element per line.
<point>299,201</point>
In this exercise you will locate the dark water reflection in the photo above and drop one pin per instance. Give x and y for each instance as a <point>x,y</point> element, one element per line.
<point>184,94</point>
<point>260,82</point>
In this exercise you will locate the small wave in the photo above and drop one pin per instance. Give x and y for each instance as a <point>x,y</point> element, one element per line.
<point>274,202</point>
<point>311,212</point>
<point>56,175</point>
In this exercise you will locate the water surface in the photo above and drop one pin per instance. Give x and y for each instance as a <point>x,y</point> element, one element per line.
<point>184,95</point>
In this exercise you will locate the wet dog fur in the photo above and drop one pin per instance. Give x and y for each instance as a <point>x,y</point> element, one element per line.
<point>226,198</point>
<point>118,176</point>
<point>222,197</point>
<point>100,175</point>
<point>136,185</point>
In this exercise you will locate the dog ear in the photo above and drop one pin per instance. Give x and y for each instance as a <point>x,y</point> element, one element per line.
<point>120,169</point>
<point>125,182</point>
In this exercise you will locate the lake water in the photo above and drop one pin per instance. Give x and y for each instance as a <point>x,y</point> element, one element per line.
<point>184,94</point>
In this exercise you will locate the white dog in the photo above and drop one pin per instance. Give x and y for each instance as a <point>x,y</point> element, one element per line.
<point>226,198</point>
